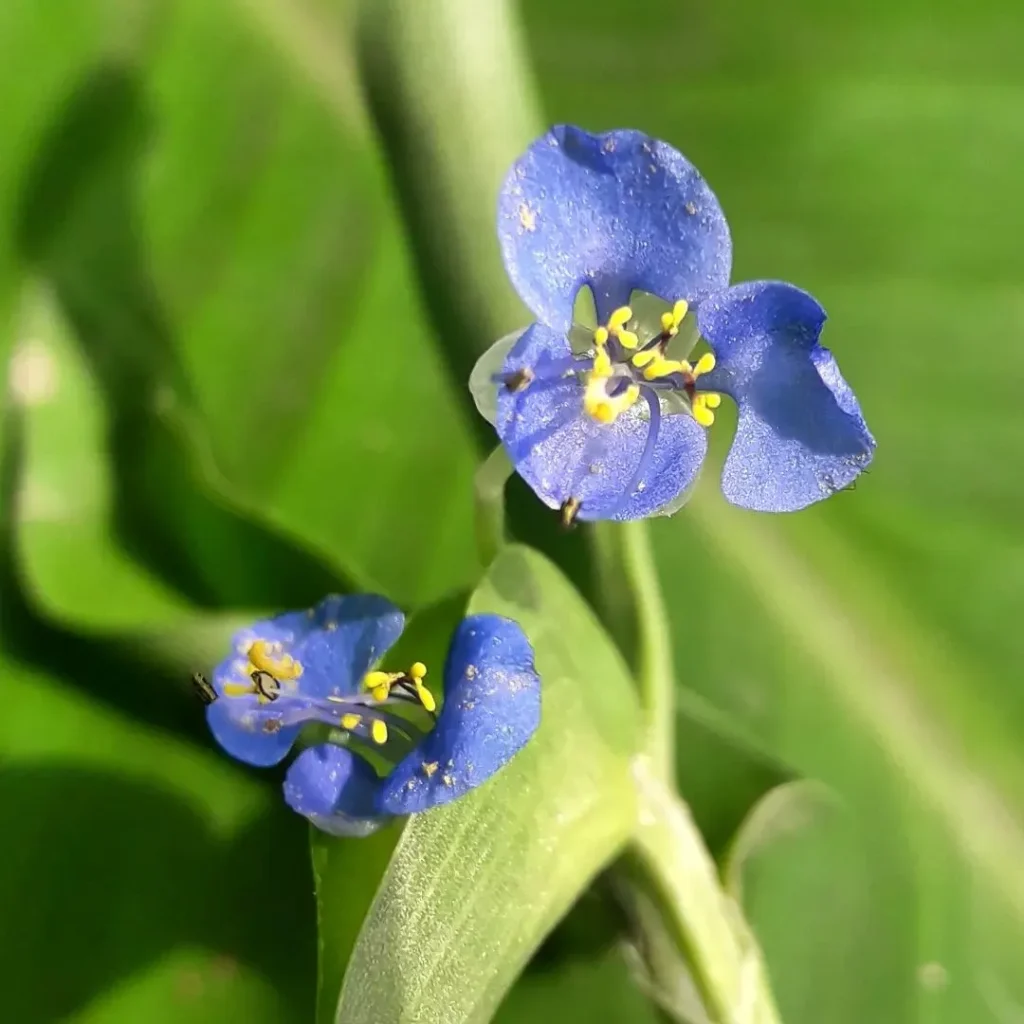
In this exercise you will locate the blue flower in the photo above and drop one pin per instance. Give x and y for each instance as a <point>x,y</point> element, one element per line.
<point>390,750</point>
<point>609,422</point>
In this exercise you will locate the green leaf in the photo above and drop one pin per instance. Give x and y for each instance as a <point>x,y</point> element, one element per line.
<point>134,867</point>
<point>473,887</point>
<point>275,325</point>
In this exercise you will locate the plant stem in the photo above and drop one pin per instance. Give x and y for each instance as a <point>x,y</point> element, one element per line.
<point>655,667</point>
<point>489,497</point>
<point>674,863</point>
<point>448,85</point>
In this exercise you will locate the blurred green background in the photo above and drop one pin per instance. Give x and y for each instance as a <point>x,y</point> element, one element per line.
<point>229,389</point>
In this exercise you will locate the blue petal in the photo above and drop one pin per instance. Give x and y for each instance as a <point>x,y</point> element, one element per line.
<point>616,211</point>
<point>801,436</point>
<point>239,725</point>
<point>491,709</point>
<point>347,635</point>
<point>335,789</point>
<point>335,642</point>
<point>563,453</point>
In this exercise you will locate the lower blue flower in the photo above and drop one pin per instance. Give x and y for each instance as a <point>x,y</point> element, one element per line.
<point>390,750</point>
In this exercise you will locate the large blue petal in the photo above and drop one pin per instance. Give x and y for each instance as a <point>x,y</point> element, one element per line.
<point>563,453</point>
<point>491,709</point>
<point>801,436</point>
<point>335,789</point>
<point>335,642</point>
<point>616,211</point>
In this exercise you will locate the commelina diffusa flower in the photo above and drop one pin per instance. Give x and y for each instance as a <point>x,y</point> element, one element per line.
<point>391,750</point>
<point>609,422</point>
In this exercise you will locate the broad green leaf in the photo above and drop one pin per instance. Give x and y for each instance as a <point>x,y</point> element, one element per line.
<point>241,272</point>
<point>473,887</point>
<point>85,561</point>
<point>64,502</point>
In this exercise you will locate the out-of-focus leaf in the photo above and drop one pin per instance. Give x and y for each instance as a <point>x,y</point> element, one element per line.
<point>777,815</point>
<point>473,887</point>
<point>85,561</point>
<point>597,990</point>
<point>134,869</point>
<point>275,320</point>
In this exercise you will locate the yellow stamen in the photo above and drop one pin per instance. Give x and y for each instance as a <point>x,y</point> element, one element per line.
<point>418,670</point>
<point>619,318</point>
<point>670,321</point>
<point>601,336</point>
<point>705,364</point>
<point>641,359</point>
<point>379,732</point>
<point>238,689</point>
<point>702,404</point>
<point>350,721</point>
<point>381,692</point>
<point>602,364</point>
<point>425,696</point>
<point>617,327</point>
<point>603,407</point>
<point>263,657</point>
<point>662,367</point>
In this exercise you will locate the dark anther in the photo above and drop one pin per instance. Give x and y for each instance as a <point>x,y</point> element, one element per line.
<point>267,686</point>
<point>204,691</point>
<point>519,380</point>
<point>570,510</point>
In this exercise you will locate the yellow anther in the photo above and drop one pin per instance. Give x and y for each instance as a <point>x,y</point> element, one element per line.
<point>670,321</point>
<point>350,721</point>
<point>261,655</point>
<point>603,407</point>
<point>662,367</point>
<point>705,364</point>
<point>418,670</point>
<point>238,689</point>
<point>702,404</point>
<point>601,336</point>
<point>641,359</point>
<point>627,339</point>
<point>381,692</point>
<point>425,696</point>
<point>602,364</point>
<point>379,732</point>
<point>374,679</point>
<point>619,318</point>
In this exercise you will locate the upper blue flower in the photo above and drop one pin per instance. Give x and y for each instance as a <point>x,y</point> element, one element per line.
<point>317,666</point>
<point>609,423</point>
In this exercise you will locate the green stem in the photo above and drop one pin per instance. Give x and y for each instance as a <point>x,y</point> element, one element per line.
<point>706,924</point>
<point>489,496</point>
<point>655,667</point>
<point>449,90</point>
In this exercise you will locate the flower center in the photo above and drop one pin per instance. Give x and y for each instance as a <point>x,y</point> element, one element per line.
<point>373,714</point>
<point>621,366</point>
